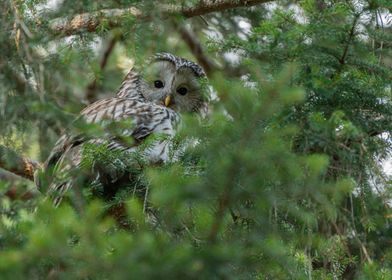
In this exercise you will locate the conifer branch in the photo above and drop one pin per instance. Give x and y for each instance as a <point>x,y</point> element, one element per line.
<point>112,17</point>
<point>90,21</point>
<point>17,164</point>
<point>210,6</point>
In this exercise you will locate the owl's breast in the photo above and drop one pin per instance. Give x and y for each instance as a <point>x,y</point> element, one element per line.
<point>151,125</point>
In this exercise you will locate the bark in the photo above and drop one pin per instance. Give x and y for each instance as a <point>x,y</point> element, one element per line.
<point>197,50</point>
<point>17,164</point>
<point>112,17</point>
<point>206,7</point>
<point>92,87</point>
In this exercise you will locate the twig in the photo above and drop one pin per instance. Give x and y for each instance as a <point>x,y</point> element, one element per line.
<point>223,204</point>
<point>342,60</point>
<point>92,87</point>
<point>196,48</point>
<point>341,235</point>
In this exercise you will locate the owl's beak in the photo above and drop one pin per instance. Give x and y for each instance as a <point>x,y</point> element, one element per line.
<point>167,101</point>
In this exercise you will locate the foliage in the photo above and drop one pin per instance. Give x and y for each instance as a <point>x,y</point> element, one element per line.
<point>283,180</point>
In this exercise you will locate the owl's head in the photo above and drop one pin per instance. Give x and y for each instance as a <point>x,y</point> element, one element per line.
<point>174,82</point>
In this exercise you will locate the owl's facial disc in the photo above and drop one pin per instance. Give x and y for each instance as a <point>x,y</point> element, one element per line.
<point>157,80</point>
<point>176,87</point>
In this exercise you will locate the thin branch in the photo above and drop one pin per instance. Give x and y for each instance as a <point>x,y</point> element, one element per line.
<point>197,50</point>
<point>92,87</point>
<point>223,204</point>
<point>17,164</point>
<point>210,6</point>
<point>19,82</point>
<point>342,60</point>
<point>90,21</point>
<point>111,18</point>
<point>342,236</point>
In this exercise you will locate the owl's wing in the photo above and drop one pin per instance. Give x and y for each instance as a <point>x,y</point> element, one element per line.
<point>130,87</point>
<point>145,118</point>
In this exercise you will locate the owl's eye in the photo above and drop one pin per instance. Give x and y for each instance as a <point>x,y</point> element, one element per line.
<point>158,84</point>
<point>182,90</point>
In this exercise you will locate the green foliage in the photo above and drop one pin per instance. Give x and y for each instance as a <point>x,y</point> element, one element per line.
<point>283,180</point>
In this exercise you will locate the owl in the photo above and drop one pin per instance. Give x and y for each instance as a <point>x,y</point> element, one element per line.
<point>149,102</point>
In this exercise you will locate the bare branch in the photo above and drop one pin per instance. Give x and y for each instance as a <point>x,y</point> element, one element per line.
<point>206,7</point>
<point>350,38</point>
<point>112,17</point>
<point>17,164</point>
<point>92,87</point>
<point>90,21</point>
<point>197,50</point>
<point>223,204</point>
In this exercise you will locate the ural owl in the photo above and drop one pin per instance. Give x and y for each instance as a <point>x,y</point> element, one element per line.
<point>150,99</point>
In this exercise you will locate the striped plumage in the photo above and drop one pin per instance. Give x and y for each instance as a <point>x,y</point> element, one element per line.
<point>150,100</point>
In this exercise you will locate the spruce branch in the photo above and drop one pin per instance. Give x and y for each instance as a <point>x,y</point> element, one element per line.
<point>17,164</point>
<point>112,17</point>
